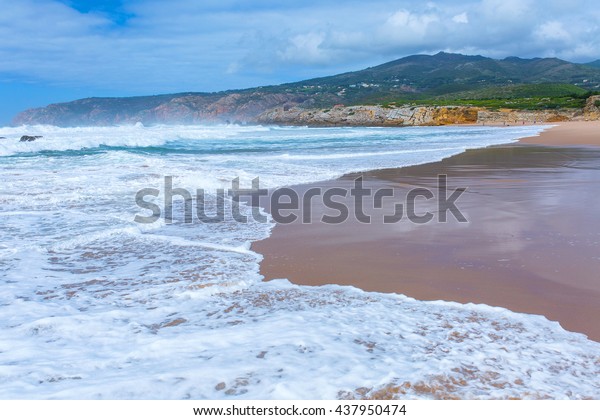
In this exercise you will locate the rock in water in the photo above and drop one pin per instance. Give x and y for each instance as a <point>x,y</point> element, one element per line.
<point>2,138</point>
<point>30,138</point>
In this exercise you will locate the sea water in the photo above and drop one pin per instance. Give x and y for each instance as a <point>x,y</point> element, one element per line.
<point>94,305</point>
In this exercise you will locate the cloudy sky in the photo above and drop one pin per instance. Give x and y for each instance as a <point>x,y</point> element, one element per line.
<point>58,50</point>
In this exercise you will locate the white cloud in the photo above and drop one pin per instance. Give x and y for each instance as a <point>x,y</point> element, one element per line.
<point>461,18</point>
<point>408,23</point>
<point>210,45</point>
<point>306,48</point>
<point>552,31</point>
<point>511,10</point>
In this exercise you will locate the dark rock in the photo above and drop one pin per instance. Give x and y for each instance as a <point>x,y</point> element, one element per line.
<point>2,138</point>
<point>30,138</point>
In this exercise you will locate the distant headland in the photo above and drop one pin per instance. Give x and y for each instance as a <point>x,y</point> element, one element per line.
<point>416,90</point>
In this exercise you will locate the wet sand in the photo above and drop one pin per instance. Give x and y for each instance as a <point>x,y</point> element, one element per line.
<point>531,244</point>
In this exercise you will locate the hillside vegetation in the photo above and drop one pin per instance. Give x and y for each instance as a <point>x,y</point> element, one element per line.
<point>440,79</point>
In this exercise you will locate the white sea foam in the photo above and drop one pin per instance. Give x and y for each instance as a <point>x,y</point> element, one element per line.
<point>78,138</point>
<point>96,306</point>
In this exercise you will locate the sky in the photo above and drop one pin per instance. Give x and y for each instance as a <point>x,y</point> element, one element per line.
<point>61,50</point>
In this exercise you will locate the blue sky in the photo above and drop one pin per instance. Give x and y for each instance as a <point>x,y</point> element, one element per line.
<point>59,50</point>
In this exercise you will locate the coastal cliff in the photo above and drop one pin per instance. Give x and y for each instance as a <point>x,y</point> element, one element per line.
<point>340,115</point>
<point>591,111</point>
<point>416,90</point>
<point>370,116</point>
<point>288,109</point>
<point>420,115</point>
<point>192,108</point>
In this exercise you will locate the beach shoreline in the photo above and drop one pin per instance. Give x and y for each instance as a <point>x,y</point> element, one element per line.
<point>529,244</point>
<point>569,133</point>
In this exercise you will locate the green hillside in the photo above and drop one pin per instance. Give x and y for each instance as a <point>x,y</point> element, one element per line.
<point>419,73</point>
<point>445,77</point>
<point>532,96</point>
<point>595,64</point>
<point>440,79</point>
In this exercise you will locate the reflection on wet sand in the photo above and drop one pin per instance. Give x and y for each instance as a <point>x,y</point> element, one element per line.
<point>532,243</point>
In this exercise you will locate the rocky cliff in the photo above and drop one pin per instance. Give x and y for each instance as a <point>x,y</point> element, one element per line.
<point>592,108</point>
<point>370,116</point>
<point>417,115</point>
<point>511,116</point>
<point>188,108</point>
<point>286,109</point>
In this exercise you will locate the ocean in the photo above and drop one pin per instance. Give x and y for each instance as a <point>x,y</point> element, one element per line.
<point>94,305</point>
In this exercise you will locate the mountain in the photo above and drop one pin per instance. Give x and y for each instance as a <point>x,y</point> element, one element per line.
<point>443,70</point>
<point>595,64</point>
<point>428,78</point>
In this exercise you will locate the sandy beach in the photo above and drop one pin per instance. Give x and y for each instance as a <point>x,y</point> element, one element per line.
<point>570,133</point>
<point>531,243</point>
